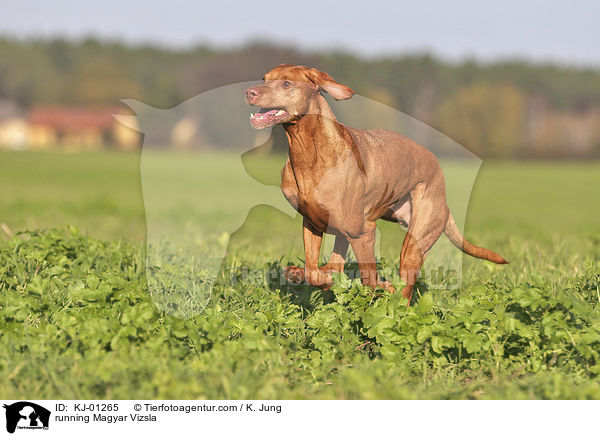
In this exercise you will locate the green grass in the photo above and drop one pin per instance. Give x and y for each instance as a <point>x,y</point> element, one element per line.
<point>76,314</point>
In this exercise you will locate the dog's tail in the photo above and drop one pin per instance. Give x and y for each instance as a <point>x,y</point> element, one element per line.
<point>457,238</point>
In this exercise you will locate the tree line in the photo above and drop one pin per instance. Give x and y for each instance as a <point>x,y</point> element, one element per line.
<point>506,109</point>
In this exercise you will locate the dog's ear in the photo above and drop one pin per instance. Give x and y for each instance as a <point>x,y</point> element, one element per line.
<point>327,84</point>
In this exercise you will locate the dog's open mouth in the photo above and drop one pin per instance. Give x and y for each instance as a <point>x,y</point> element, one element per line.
<point>266,117</point>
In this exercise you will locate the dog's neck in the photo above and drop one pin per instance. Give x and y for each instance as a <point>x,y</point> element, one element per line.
<point>317,140</point>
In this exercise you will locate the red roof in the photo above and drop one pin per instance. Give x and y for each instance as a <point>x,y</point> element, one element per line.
<point>73,118</point>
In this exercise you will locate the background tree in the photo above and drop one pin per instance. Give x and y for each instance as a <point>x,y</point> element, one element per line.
<point>487,119</point>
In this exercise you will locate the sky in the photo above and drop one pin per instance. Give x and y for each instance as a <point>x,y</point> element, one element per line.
<point>557,31</point>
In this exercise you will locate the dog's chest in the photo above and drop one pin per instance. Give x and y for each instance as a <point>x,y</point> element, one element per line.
<point>323,193</point>
<point>315,209</point>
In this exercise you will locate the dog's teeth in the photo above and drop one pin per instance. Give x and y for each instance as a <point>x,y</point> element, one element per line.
<point>280,112</point>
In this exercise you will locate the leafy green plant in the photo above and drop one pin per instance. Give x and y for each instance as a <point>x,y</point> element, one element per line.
<point>76,310</point>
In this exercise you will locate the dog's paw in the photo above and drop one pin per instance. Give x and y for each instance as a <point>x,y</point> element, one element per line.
<point>319,278</point>
<point>294,274</point>
<point>387,286</point>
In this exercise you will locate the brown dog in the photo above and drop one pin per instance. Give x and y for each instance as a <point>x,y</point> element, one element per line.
<point>342,180</point>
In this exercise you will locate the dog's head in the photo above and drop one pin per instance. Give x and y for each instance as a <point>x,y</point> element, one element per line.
<point>286,94</point>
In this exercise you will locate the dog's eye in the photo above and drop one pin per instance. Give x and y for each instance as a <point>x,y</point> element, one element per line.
<point>286,84</point>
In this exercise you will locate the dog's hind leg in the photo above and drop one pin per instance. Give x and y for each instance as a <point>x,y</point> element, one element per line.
<point>429,217</point>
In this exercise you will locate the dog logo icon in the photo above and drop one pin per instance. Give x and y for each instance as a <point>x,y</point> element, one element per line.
<point>26,415</point>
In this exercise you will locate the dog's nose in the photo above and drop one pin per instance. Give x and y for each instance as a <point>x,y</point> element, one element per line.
<point>251,93</point>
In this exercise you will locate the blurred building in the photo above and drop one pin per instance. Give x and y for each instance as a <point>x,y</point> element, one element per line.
<point>81,128</point>
<point>13,126</point>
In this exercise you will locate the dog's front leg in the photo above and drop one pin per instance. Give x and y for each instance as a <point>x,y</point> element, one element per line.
<point>338,256</point>
<point>364,250</point>
<point>312,247</point>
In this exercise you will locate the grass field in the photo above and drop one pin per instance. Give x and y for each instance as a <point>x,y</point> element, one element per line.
<point>77,317</point>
